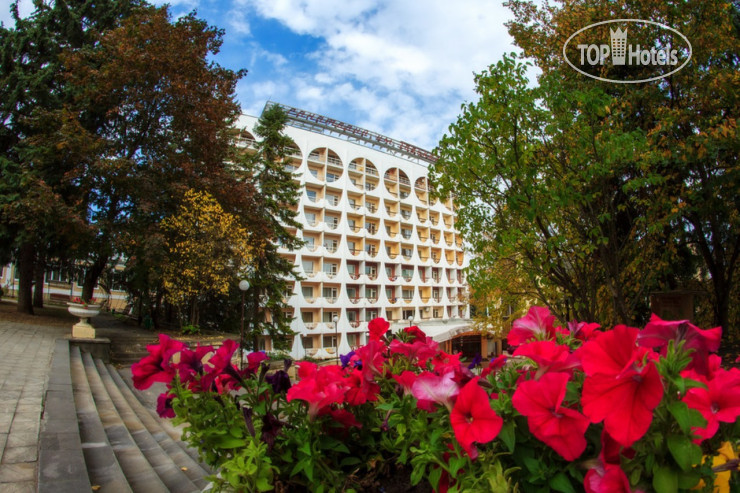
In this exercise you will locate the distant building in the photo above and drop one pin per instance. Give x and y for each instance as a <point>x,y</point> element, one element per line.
<point>377,244</point>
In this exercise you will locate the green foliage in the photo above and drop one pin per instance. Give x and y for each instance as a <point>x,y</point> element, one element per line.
<point>273,214</point>
<point>589,196</point>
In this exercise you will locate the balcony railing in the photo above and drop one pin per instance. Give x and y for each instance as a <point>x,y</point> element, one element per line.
<point>334,161</point>
<point>371,171</point>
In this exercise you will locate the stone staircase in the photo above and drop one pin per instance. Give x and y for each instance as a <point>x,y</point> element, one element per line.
<point>96,435</point>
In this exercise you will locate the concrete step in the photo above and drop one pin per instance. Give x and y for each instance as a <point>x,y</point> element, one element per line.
<point>184,457</point>
<point>102,464</point>
<point>137,470</point>
<point>62,466</point>
<point>148,399</point>
<point>171,475</point>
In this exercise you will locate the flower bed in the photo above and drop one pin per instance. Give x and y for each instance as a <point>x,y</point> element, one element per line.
<point>573,408</point>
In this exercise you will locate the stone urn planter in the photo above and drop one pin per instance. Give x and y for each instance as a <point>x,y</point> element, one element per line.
<point>83,329</point>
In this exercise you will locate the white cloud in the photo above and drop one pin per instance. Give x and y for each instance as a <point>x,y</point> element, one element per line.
<point>408,64</point>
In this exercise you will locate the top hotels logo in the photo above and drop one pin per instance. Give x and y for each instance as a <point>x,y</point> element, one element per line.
<point>660,46</point>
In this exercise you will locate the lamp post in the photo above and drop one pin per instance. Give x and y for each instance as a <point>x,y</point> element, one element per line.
<point>336,337</point>
<point>410,319</point>
<point>243,287</point>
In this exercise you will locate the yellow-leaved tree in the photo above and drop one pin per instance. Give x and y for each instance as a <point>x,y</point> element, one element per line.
<point>207,249</point>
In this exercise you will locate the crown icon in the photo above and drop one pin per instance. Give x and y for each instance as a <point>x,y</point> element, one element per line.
<point>619,45</point>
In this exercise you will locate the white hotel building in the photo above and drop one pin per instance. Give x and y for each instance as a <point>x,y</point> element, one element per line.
<point>377,244</point>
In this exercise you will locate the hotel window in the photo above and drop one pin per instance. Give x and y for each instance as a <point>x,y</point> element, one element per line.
<point>330,268</point>
<point>371,314</point>
<point>330,293</point>
<point>307,291</point>
<point>408,294</point>
<point>311,195</point>
<point>307,342</point>
<point>329,316</point>
<point>308,266</point>
<point>307,317</point>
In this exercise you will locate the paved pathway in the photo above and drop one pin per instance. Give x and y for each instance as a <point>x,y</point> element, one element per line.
<point>25,356</point>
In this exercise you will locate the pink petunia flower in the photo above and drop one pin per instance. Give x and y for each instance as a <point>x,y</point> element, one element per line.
<point>536,324</point>
<point>432,388</point>
<point>657,333</point>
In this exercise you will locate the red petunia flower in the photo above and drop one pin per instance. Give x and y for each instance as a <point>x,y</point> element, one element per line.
<point>606,478</point>
<point>319,387</point>
<point>406,380</point>
<point>472,418</point>
<point>549,356</point>
<point>536,324</point>
<point>559,427</point>
<point>718,402</point>
<point>164,405</point>
<point>415,334</point>
<point>359,389</point>
<point>156,366</point>
<point>657,333</point>
<point>419,350</point>
<point>443,362</point>
<point>253,361</point>
<point>622,385</point>
<point>378,327</point>
<point>584,331</point>
<point>371,356</point>
<point>494,365</point>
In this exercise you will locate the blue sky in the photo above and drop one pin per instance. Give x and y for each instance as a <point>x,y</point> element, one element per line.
<point>399,67</point>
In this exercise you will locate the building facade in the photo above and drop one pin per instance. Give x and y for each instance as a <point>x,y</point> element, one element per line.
<point>376,243</point>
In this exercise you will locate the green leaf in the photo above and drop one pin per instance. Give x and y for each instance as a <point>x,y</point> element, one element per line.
<point>507,435</point>
<point>560,482</point>
<point>680,412</point>
<point>665,480</point>
<point>228,441</point>
<point>684,451</point>
<point>350,461</point>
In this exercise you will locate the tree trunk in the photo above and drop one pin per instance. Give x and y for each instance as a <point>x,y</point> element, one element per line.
<point>92,274</point>
<point>25,267</point>
<point>38,287</point>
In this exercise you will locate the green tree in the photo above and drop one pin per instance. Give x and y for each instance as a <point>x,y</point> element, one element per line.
<point>165,129</point>
<point>689,165</point>
<point>40,214</point>
<point>601,193</point>
<point>272,222</point>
